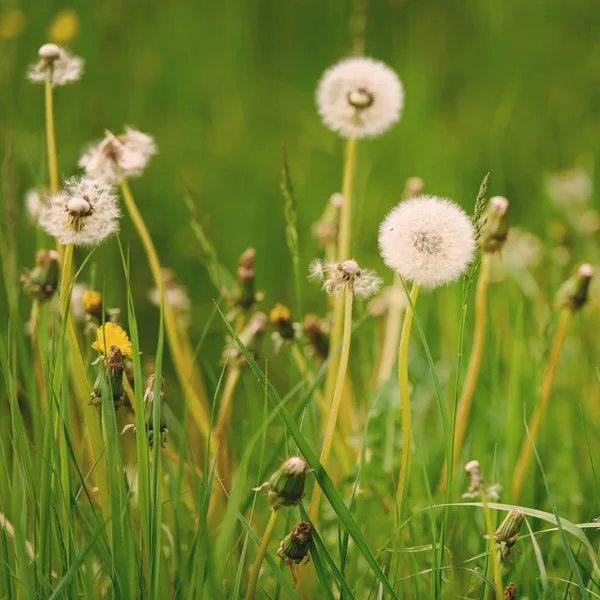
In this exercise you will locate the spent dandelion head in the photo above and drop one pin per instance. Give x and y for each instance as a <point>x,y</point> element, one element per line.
<point>360,97</point>
<point>115,368</point>
<point>295,546</point>
<point>149,400</point>
<point>64,68</point>
<point>494,231</point>
<point>109,335</point>
<point>42,281</point>
<point>573,294</point>
<point>339,276</point>
<point>478,486</point>
<point>84,213</point>
<point>286,485</point>
<point>119,157</point>
<point>427,240</point>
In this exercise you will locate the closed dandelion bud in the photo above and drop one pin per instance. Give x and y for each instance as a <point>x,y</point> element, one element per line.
<point>295,546</point>
<point>507,534</point>
<point>494,231</point>
<point>41,283</point>
<point>317,335</point>
<point>149,399</point>
<point>286,485</point>
<point>246,274</point>
<point>510,591</point>
<point>573,294</point>
<point>92,303</point>
<point>114,370</point>
<point>413,186</point>
<point>281,318</point>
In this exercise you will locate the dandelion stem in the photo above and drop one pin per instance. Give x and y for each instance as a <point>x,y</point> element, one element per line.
<point>337,399</point>
<point>37,357</point>
<point>405,402</point>
<point>540,410</point>
<point>262,551</point>
<point>489,526</point>
<point>343,253</point>
<point>50,135</point>
<point>470,383</point>
<point>189,378</point>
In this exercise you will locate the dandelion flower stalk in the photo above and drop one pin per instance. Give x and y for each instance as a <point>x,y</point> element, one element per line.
<point>494,559</point>
<point>50,133</point>
<point>262,551</point>
<point>183,363</point>
<point>572,296</point>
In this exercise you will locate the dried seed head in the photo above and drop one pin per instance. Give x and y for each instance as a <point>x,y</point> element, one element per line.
<point>337,277</point>
<point>295,546</point>
<point>117,158</point>
<point>573,294</point>
<point>478,485</point>
<point>286,485</point>
<point>113,364</point>
<point>245,295</point>
<point>360,97</point>
<point>63,67</point>
<point>85,213</point>
<point>510,591</point>
<point>494,231</point>
<point>41,283</point>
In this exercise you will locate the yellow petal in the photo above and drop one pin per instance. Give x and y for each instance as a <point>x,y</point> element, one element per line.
<point>112,335</point>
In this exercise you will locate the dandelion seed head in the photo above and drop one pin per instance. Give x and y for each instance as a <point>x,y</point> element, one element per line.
<point>427,240</point>
<point>77,305</point>
<point>336,200</point>
<point>84,213</point>
<point>34,203</point>
<point>64,67</point>
<point>360,97</point>
<point>338,276</point>
<point>117,158</point>
<point>586,270</point>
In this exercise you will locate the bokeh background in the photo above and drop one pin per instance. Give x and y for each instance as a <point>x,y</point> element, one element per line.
<point>508,87</point>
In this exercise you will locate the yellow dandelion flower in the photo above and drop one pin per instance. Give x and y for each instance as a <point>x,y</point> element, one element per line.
<point>112,335</point>
<point>92,302</point>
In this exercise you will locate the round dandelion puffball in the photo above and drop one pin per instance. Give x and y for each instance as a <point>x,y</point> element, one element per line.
<point>427,240</point>
<point>360,97</point>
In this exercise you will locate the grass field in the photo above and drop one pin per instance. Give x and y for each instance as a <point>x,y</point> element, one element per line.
<point>500,366</point>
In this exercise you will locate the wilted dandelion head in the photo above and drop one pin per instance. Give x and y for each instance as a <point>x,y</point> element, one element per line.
<point>118,157</point>
<point>360,97</point>
<point>339,276</point>
<point>85,213</point>
<point>111,335</point>
<point>64,68</point>
<point>427,240</point>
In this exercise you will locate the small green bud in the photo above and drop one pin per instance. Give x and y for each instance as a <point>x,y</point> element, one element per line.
<point>510,591</point>
<point>573,293</point>
<point>149,409</point>
<point>41,283</point>
<point>507,534</point>
<point>286,485</point>
<point>494,231</point>
<point>246,274</point>
<point>295,546</point>
<point>114,370</point>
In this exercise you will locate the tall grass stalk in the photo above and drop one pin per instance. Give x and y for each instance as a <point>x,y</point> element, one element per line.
<point>189,378</point>
<point>313,510</point>
<point>540,410</point>
<point>494,559</point>
<point>405,405</point>
<point>470,383</point>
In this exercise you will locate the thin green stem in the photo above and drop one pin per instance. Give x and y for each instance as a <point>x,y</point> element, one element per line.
<point>496,569</point>
<point>540,410</point>
<point>337,400</point>
<point>405,404</point>
<point>262,551</point>
<point>189,378</point>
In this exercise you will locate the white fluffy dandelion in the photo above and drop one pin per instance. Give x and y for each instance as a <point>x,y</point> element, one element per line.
<point>337,277</point>
<point>118,157</point>
<point>85,213</point>
<point>64,67</point>
<point>427,240</point>
<point>360,97</point>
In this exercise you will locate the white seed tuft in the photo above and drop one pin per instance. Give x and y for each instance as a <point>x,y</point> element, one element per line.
<point>360,97</point>
<point>65,68</point>
<point>427,240</point>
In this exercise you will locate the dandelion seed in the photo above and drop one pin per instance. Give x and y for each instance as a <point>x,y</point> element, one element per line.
<point>337,277</point>
<point>64,67</point>
<point>85,213</point>
<point>117,158</point>
<point>109,335</point>
<point>360,97</point>
<point>427,240</point>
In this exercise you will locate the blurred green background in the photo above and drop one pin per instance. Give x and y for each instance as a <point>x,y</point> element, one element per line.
<point>509,87</point>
